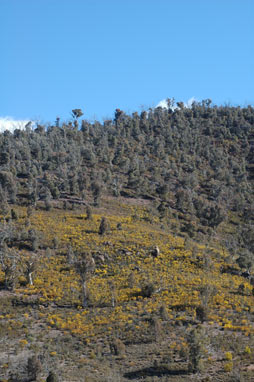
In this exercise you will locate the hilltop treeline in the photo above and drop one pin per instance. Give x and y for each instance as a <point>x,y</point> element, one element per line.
<point>194,164</point>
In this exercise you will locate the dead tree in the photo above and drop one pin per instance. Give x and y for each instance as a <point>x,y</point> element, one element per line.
<point>30,267</point>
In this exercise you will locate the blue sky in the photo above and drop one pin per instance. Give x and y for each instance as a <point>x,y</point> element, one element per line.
<point>99,55</point>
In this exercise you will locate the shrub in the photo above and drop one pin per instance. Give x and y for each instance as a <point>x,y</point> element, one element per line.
<point>29,211</point>
<point>104,226</point>
<point>195,341</point>
<point>228,366</point>
<point>147,290</point>
<point>52,377</point>
<point>33,367</point>
<point>202,313</point>
<point>158,330</point>
<point>163,312</point>
<point>241,289</point>
<point>228,356</point>
<point>119,226</point>
<point>48,204</point>
<point>131,280</point>
<point>55,243</point>
<point>89,213</point>
<point>117,347</point>
<point>14,214</point>
<point>247,350</point>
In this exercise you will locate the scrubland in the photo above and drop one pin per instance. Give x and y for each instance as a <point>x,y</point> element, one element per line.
<point>183,314</point>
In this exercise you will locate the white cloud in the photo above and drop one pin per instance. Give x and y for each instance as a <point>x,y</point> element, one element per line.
<point>9,123</point>
<point>190,102</point>
<point>163,103</point>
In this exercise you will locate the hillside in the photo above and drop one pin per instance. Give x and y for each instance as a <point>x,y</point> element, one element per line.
<point>192,163</point>
<point>145,316</point>
<point>126,248</point>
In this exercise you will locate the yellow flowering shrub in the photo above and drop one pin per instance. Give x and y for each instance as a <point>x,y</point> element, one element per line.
<point>177,276</point>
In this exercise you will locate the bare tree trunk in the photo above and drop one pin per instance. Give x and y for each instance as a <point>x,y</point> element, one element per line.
<point>30,279</point>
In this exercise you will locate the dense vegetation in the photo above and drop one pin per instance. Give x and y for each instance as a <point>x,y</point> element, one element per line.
<point>196,162</point>
<point>126,248</point>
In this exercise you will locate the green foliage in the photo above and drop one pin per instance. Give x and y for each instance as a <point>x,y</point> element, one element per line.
<point>52,377</point>
<point>89,212</point>
<point>147,289</point>
<point>104,226</point>
<point>117,347</point>
<point>194,163</point>
<point>77,113</point>
<point>33,367</point>
<point>14,214</point>
<point>202,313</point>
<point>195,341</point>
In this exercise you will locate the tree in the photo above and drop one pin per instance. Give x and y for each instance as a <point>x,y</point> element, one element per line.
<point>118,116</point>
<point>33,237</point>
<point>57,121</point>
<point>77,113</point>
<point>84,266</point>
<point>170,103</point>
<point>89,213</point>
<point>33,367</point>
<point>4,207</point>
<point>9,260</point>
<point>245,259</point>
<point>180,105</point>
<point>104,226</point>
<point>96,190</point>
<point>195,340</point>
